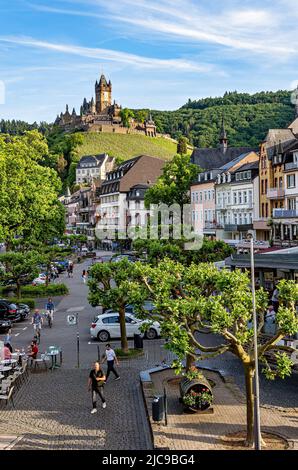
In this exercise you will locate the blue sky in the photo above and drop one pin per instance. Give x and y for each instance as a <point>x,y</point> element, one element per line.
<point>158,53</point>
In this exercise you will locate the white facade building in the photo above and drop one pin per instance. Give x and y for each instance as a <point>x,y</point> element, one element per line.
<point>237,201</point>
<point>92,167</point>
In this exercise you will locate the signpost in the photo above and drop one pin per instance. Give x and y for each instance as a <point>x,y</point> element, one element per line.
<point>73,320</point>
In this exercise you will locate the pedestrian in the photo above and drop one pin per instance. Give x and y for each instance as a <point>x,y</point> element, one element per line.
<point>7,351</point>
<point>110,357</point>
<point>275,299</point>
<point>84,276</point>
<point>96,383</point>
<point>7,340</point>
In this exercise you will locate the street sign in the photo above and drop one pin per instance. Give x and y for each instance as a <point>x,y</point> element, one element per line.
<point>72,319</point>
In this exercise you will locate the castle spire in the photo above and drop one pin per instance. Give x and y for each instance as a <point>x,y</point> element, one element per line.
<point>223,138</point>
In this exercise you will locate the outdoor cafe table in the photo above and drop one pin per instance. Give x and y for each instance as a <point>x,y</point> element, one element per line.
<point>54,352</point>
<point>5,370</point>
<point>9,362</point>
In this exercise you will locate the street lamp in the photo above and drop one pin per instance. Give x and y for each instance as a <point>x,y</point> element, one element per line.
<point>257,422</point>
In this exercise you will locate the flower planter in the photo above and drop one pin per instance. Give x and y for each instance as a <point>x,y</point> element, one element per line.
<point>197,389</point>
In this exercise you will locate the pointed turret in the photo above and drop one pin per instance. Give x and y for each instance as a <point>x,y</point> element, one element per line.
<point>103,80</point>
<point>74,112</point>
<point>223,138</point>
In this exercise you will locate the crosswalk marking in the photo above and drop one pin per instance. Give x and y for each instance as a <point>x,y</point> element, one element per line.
<point>17,334</point>
<point>25,328</point>
<point>75,309</point>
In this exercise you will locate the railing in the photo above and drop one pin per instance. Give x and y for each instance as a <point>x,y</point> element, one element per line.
<point>238,228</point>
<point>276,193</point>
<point>285,213</point>
<point>291,166</point>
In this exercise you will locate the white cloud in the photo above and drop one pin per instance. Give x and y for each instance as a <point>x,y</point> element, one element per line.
<point>110,55</point>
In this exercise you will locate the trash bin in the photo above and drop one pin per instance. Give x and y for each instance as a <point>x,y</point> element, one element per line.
<point>158,408</point>
<point>138,341</point>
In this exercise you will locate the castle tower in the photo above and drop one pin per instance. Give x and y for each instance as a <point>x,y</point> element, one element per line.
<point>103,94</point>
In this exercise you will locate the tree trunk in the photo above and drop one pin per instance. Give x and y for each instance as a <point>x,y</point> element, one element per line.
<point>189,362</point>
<point>18,290</point>
<point>249,374</point>
<point>124,343</point>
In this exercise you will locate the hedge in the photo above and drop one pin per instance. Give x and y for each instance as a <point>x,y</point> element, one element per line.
<point>45,291</point>
<point>29,302</point>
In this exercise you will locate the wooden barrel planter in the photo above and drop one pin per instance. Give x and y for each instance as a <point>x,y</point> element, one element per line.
<point>196,394</point>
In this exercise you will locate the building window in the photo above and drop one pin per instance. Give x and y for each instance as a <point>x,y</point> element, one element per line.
<point>234,197</point>
<point>245,197</point>
<point>292,204</point>
<point>291,183</point>
<point>201,196</point>
<point>240,197</point>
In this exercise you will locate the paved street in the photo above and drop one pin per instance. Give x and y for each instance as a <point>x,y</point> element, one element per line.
<point>53,410</point>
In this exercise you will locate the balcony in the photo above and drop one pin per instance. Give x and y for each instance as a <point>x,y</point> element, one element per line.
<point>291,166</point>
<point>285,213</point>
<point>275,193</point>
<point>238,228</point>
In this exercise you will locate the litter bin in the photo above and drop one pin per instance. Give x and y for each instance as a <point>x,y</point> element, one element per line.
<point>138,341</point>
<point>158,408</point>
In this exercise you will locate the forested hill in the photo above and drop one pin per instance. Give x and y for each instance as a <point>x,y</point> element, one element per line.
<point>247,118</point>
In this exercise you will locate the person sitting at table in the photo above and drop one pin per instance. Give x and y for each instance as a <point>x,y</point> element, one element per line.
<point>33,350</point>
<point>7,352</point>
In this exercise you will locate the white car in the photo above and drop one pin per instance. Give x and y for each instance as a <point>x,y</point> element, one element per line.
<point>107,326</point>
<point>40,280</point>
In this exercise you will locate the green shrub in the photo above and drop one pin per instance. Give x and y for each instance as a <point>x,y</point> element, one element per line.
<point>45,291</point>
<point>28,301</point>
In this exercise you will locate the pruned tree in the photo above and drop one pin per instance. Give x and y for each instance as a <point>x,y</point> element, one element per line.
<point>109,286</point>
<point>20,267</point>
<point>201,299</point>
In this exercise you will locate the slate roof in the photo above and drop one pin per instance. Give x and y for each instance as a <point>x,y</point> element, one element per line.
<point>210,158</point>
<point>95,160</point>
<point>248,166</point>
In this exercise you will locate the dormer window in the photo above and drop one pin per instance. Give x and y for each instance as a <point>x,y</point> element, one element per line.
<point>228,177</point>
<point>224,178</point>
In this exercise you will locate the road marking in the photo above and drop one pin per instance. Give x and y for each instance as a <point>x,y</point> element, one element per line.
<point>17,334</point>
<point>75,309</point>
<point>25,328</point>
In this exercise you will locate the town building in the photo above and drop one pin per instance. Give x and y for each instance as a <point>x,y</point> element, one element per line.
<point>285,219</point>
<point>123,191</point>
<point>237,199</point>
<point>102,114</point>
<point>271,176</point>
<point>92,167</point>
<point>215,162</point>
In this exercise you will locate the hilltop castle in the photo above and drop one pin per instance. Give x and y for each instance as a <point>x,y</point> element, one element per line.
<point>101,115</point>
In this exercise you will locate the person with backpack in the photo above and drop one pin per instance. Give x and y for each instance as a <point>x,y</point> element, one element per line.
<point>96,383</point>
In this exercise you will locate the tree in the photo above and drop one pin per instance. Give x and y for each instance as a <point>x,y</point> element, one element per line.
<point>109,287</point>
<point>126,114</point>
<point>141,115</point>
<point>182,146</point>
<point>172,187</point>
<point>28,190</point>
<point>201,299</point>
<point>20,267</point>
<point>156,250</point>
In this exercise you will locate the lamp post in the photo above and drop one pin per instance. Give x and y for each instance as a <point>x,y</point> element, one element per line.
<point>257,422</point>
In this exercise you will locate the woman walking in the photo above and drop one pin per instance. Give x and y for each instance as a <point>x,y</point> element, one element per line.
<point>84,276</point>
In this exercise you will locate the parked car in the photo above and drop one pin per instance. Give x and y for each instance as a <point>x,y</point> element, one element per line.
<point>61,265</point>
<point>130,258</point>
<point>40,280</point>
<point>107,326</point>
<point>9,311</point>
<point>24,310</point>
<point>5,324</point>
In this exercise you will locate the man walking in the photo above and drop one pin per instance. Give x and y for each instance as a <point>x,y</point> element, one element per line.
<point>110,357</point>
<point>96,383</point>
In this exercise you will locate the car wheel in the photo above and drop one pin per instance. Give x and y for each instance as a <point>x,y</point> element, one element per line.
<point>151,334</point>
<point>103,336</point>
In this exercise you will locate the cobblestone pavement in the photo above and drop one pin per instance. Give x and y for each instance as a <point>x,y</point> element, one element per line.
<point>204,431</point>
<point>53,409</point>
<point>280,392</point>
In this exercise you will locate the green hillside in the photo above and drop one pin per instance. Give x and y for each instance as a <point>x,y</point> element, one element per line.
<point>126,146</point>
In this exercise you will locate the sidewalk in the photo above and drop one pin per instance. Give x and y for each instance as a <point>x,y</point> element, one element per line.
<point>205,431</point>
